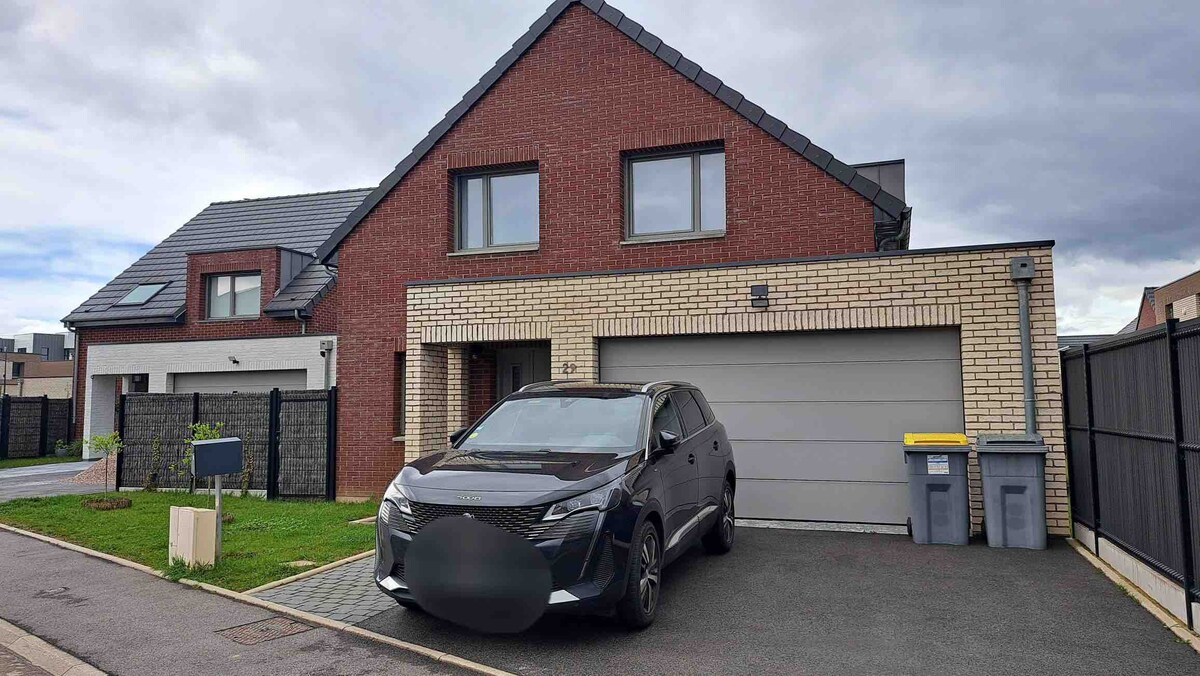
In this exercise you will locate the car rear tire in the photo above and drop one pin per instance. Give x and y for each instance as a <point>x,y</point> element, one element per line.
<point>638,606</point>
<point>719,538</point>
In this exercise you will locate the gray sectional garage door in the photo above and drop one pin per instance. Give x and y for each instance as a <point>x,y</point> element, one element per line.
<point>815,418</point>
<point>240,381</point>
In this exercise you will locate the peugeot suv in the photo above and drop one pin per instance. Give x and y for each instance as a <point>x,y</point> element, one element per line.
<point>606,483</point>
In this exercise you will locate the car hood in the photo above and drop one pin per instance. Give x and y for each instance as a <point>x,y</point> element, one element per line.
<point>510,477</point>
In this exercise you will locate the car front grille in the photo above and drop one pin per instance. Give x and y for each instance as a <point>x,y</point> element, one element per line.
<point>517,520</point>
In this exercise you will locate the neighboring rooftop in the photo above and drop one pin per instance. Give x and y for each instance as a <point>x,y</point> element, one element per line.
<point>1065,342</point>
<point>300,223</point>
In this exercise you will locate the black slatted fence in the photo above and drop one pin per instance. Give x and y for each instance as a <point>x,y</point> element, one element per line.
<point>31,426</point>
<point>1133,434</point>
<point>288,436</point>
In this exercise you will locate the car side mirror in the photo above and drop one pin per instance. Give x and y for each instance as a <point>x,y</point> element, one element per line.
<point>666,441</point>
<point>458,434</point>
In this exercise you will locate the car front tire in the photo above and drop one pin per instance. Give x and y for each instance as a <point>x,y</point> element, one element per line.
<point>638,607</point>
<point>719,538</point>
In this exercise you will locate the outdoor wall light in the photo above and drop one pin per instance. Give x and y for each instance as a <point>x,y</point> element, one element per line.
<point>758,295</point>
<point>233,360</point>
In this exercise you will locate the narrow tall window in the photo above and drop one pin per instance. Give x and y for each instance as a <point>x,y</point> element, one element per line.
<point>497,210</point>
<point>234,296</point>
<point>680,193</point>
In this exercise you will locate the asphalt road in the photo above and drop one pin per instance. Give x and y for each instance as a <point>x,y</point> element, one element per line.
<point>43,480</point>
<point>840,603</point>
<point>127,622</point>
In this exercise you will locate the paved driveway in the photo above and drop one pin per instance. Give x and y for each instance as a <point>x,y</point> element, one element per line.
<point>840,603</point>
<point>44,480</point>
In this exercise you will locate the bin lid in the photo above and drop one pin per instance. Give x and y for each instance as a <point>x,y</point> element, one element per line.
<point>1011,443</point>
<point>935,439</point>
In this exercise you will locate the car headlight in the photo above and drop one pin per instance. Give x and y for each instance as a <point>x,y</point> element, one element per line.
<point>397,496</point>
<point>601,499</point>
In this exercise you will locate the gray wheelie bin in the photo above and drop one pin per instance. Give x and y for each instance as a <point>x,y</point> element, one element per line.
<point>1014,489</point>
<point>938,504</point>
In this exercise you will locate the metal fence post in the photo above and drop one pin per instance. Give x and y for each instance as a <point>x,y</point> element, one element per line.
<point>1185,515</point>
<point>273,410</point>
<point>44,435</point>
<point>5,409</point>
<point>1091,437</point>
<point>331,443</point>
<point>122,404</point>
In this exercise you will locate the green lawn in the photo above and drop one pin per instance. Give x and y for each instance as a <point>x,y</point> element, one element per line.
<point>26,462</point>
<point>261,539</point>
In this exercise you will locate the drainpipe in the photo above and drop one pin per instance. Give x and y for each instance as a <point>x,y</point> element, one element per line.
<point>75,400</point>
<point>303,323</point>
<point>1022,269</point>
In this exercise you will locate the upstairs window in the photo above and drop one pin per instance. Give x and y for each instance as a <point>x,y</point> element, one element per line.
<point>234,295</point>
<point>675,194</point>
<point>497,210</point>
<point>141,294</point>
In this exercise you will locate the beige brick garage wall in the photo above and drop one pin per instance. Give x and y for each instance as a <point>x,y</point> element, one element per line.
<point>970,289</point>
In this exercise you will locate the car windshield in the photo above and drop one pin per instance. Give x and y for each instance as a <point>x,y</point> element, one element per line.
<point>597,423</point>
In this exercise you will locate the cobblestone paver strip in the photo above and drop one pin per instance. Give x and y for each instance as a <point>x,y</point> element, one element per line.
<point>346,593</point>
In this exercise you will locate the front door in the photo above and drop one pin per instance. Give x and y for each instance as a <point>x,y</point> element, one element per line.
<point>517,367</point>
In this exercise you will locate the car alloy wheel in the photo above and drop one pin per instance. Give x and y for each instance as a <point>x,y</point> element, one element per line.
<point>649,572</point>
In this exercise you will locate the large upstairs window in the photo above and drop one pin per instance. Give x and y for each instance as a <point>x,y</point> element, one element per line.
<point>234,296</point>
<point>497,210</point>
<point>675,194</point>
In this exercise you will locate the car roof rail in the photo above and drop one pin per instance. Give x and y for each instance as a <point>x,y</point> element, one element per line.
<point>549,383</point>
<point>665,383</point>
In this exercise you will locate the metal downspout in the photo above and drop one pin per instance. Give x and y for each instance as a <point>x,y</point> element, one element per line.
<point>1022,273</point>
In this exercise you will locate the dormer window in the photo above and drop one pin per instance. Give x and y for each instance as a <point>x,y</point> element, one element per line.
<point>141,294</point>
<point>497,210</point>
<point>234,296</point>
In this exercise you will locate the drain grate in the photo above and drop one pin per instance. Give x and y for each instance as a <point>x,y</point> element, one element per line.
<point>263,630</point>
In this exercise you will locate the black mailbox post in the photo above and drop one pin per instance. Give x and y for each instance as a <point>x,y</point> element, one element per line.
<point>214,457</point>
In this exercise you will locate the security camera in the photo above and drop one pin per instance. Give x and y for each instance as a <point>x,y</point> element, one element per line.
<point>326,347</point>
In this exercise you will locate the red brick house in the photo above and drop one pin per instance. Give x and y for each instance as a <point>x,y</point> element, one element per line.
<point>573,101</point>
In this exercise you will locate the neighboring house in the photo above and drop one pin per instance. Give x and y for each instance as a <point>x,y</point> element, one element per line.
<point>600,207</point>
<point>49,346</point>
<point>1179,299</point>
<point>43,378</point>
<point>232,301</point>
<point>14,367</point>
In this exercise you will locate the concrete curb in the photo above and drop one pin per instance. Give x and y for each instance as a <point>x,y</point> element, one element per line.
<point>42,654</point>
<point>1161,614</point>
<point>309,618</point>
<point>309,573</point>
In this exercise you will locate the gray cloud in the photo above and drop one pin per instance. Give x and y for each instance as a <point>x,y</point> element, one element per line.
<point>1072,121</point>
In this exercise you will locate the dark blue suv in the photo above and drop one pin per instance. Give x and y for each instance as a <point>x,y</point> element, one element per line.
<point>607,483</point>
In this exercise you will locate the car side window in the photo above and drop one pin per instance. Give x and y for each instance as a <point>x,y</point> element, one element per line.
<point>709,416</point>
<point>665,418</point>
<point>693,418</point>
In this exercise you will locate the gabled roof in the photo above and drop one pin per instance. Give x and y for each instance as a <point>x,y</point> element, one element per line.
<point>297,222</point>
<point>887,206</point>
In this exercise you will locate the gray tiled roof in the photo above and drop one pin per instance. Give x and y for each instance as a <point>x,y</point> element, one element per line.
<point>298,222</point>
<point>887,206</point>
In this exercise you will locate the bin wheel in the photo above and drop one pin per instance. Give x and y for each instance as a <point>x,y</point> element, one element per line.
<point>908,525</point>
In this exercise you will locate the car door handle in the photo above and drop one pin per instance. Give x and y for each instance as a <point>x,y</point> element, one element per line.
<point>691,458</point>
<point>716,445</point>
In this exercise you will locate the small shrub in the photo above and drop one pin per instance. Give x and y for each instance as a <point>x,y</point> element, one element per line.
<point>156,458</point>
<point>68,449</point>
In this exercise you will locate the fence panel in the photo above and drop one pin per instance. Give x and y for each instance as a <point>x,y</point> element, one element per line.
<point>25,427</point>
<point>1078,440</point>
<point>303,444</point>
<point>1188,349</point>
<point>58,422</point>
<point>246,417</point>
<point>151,417</point>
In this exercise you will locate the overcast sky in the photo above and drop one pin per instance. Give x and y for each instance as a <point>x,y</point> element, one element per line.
<point>1073,122</point>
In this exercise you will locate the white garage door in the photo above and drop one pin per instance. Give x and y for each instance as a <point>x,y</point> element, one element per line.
<point>240,381</point>
<point>815,418</point>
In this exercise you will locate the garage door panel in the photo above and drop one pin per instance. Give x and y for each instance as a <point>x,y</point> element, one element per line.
<point>820,460</point>
<point>240,381</point>
<point>838,421</point>
<point>762,348</point>
<point>845,501</point>
<point>816,418</point>
<point>828,381</point>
